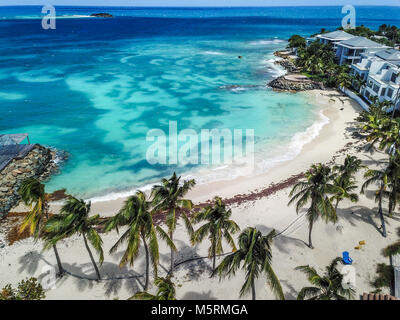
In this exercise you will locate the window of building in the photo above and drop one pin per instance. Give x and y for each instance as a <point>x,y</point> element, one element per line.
<point>376,88</point>
<point>383,92</point>
<point>389,93</point>
<point>393,78</point>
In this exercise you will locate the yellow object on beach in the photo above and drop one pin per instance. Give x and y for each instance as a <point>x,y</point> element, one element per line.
<point>361,243</point>
<point>357,248</point>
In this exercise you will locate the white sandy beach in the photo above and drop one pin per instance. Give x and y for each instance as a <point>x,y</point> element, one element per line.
<point>356,222</point>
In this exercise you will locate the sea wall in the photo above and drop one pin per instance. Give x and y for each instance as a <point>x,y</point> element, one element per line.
<point>282,83</point>
<point>38,163</point>
<point>352,95</point>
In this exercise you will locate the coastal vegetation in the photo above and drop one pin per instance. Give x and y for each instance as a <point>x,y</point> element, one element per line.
<point>137,216</point>
<point>327,286</point>
<point>296,41</point>
<point>217,226</point>
<point>254,256</point>
<point>34,196</point>
<point>386,34</point>
<point>165,291</point>
<point>385,273</point>
<point>168,197</point>
<point>321,190</point>
<point>344,179</point>
<point>317,61</point>
<point>28,289</point>
<point>74,219</point>
<point>316,190</point>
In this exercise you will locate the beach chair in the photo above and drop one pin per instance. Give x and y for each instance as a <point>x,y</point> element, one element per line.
<point>346,258</point>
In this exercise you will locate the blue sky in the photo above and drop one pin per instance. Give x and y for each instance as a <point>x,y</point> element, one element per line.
<point>197,3</point>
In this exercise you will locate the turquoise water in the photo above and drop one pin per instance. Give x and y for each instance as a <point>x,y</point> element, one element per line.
<point>95,87</point>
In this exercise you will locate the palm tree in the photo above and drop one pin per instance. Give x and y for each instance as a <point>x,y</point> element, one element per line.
<point>33,195</point>
<point>344,179</point>
<point>359,82</point>
<point>343,79</point>
<point>388,187</point>
<point>350,167</point>
<point>396,104</point>
<point>256,255</point>
<point>166,291</point>
<point>169,197</point>
<point>325,287</point>
<point>218,226</point>
<point>74,219</point>
<point>315,189</point>
<point>380,127</point>
<point>345,188</point>
<point>136,215</point>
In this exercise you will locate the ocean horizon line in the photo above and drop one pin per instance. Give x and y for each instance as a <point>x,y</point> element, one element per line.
<point>200,7</point>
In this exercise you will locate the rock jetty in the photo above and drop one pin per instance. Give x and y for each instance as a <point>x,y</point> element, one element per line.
<point>38,163</point>
<point>295,82</point>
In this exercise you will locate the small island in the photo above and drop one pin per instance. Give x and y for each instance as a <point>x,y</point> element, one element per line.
<point>101,15</point>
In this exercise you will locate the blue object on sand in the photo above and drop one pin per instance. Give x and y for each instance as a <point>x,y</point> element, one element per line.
<point>346,258</point>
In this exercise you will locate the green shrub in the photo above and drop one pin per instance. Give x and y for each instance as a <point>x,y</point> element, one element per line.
<point>28,289</point>
<point>384,276</point>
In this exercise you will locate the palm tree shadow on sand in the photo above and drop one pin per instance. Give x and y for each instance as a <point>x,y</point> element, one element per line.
<point>359,214</point>
<point>192,295</point>
<point>29,263</point>
<point>292,294</point>
<point>282,241</point>
<point>84,274</point>
<point>191,262</point>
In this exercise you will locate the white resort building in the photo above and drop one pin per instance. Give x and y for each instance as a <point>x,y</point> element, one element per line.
<point>349,51</point>
<point>334,37</point>
<point>376,66</point>
<point>381,73</point>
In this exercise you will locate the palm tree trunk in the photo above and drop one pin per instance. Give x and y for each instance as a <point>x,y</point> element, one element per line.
<point>253,290</point>
<point>146,249</point>
<point>91,257</point>
<point>171,269</point>
<point>60,267</point>
<point>61,270</point>
<point>309,235</point>
<point>383,225</point>
<point>214,258</point>
<point>336,205</point>
<point>213,254</point>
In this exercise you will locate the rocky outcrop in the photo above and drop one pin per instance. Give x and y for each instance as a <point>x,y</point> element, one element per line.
<point>287,61</point>
<point>288,65</point>
<point>101,15</point>
<point>38,163</point>
<point>284,84</point>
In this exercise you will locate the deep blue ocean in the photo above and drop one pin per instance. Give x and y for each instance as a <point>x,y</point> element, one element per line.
<point>94,87</point>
